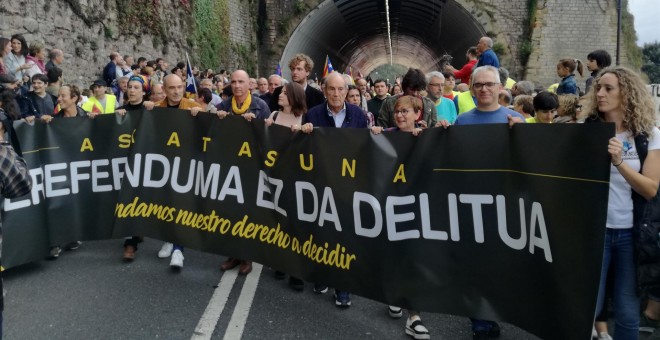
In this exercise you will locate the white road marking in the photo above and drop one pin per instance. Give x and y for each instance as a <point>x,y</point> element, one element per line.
<point>209,319</point>
<point>243,305</point>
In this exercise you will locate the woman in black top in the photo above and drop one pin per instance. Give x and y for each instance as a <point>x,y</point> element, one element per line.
<point>136,92</point>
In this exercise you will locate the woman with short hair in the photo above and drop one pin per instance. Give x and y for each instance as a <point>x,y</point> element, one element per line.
<point>35,59</point>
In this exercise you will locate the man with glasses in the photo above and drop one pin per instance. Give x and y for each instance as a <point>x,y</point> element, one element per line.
<point>413,82</point>
<point>486,87</point>
<point>445,107</point>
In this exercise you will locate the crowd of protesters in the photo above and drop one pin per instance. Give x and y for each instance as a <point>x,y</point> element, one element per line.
<point>479,92</point>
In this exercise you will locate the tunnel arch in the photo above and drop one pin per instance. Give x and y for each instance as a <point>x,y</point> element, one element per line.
<point>354,32</point>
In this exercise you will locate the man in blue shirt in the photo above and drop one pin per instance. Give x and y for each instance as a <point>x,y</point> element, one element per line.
<point>486,55</point>
<point>485,87</point>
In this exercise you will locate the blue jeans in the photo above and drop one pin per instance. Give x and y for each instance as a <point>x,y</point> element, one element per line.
<point>619,251</point>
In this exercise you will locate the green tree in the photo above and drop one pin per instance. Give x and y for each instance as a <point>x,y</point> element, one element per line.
<point>651,67</point>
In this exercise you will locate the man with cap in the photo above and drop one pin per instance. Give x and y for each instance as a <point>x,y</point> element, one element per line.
<point>100,102</point>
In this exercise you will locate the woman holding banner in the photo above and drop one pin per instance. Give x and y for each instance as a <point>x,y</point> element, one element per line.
<point>293,106</point>
<point>138,89</point>
<point>68,99</point>
<point>620,97</point>
<point>407,110</point>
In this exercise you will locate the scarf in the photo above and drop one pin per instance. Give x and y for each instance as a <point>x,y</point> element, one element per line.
<point>37,62</point>
<point>244,107</point>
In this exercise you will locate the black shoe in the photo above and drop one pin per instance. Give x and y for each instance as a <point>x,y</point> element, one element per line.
<point>296,283</point>
<point>493,332</point>
<point>279,275</point>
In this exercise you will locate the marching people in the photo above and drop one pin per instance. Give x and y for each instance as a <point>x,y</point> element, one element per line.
<point>301,65</point>
<point>353,96</point>
<point>336,113</point>
<point>174,91</point>
<point>414,81</point>
<point>249,106</point>
<point>292,110</point>
<point>445,108</point>
<point>407,110</point>
<point>619,96</point>
<point>136,91</point>
<point>486,86</point>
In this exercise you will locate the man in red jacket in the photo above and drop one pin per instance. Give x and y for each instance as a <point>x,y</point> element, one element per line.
<point>464,73</point>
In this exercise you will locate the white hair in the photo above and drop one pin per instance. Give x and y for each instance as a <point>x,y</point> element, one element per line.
<point>434,74</point>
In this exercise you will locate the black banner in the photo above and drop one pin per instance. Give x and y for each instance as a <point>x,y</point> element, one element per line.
<point>485,221</point>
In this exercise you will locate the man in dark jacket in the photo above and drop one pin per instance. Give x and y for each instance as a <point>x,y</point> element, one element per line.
<point>335,111</point>
<point>301,65</point>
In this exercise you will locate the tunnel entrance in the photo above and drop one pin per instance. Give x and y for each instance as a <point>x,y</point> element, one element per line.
<point>355,33</point>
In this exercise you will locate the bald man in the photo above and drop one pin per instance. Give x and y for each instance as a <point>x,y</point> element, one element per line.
<point>174,91</point>
<point>243,102</point>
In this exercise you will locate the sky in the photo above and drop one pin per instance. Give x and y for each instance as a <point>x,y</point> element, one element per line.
<point>646,14</point>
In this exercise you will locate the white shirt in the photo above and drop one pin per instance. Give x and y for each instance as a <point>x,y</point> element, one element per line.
<point>338,117</point>
<point>620,204</point>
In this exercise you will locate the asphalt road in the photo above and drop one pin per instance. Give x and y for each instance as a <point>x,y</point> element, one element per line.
<point>91,294</point>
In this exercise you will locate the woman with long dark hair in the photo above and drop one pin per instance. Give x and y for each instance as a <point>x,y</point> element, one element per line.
<point>15,60</point>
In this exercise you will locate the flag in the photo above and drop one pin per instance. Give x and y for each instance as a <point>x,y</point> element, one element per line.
<point>349,71</point>
<point>328,66</point>
<point>278,70</point>
<point>191,87</point>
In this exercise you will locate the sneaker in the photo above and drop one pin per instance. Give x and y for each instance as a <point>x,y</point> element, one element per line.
<point>296,283</point>
<point>55,252</point>
<point>165,250</point>
<point>342,298</point>
<point>395,312</point>
<point>320,289</point>
<point>73,245</point>
<point>177,259</point>
<point>415,328</point>
<point>604,336</point>
<point>647,325</point>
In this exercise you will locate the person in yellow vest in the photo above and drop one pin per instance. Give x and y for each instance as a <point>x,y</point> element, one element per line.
<point>506,81</point>
<point>545,107</point>
<point>100,102</point>
<point>465,102</point>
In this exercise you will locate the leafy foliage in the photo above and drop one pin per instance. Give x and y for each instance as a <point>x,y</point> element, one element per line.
<point>211,31</point>
<point>651,67</point>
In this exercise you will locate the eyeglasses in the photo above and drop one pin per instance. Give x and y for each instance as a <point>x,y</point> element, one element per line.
<point>479,86</point>
<point>402,112</point>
